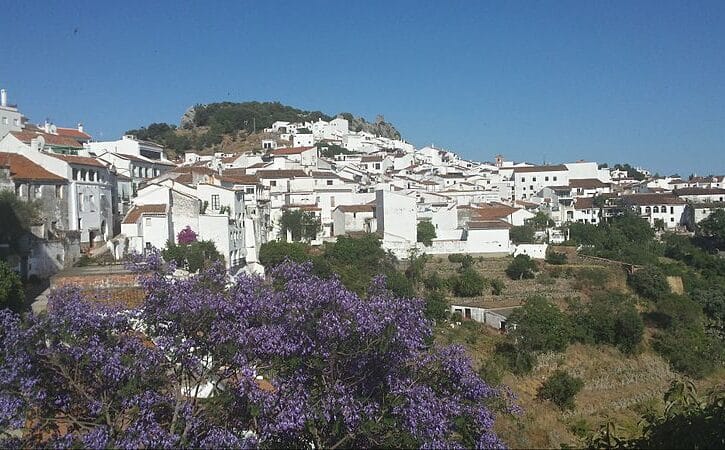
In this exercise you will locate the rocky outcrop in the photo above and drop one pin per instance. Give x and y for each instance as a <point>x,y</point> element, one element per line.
<point>187,120</point>
<point>379,128</point>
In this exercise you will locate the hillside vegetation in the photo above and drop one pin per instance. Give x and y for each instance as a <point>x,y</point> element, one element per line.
<point>231,126</point>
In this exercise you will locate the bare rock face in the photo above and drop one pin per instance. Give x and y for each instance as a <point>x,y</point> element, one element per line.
<point>379,128</point>
<point>187,120</point>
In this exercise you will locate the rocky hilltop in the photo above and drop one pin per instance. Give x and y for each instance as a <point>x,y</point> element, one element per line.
<point>228,126</point>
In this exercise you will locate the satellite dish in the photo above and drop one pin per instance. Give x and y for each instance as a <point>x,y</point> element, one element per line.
<point>41,142</point>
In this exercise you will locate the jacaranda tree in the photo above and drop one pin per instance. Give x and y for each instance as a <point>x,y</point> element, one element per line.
<point>288,361</point>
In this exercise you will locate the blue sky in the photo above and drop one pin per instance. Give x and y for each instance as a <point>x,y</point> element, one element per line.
<point>639,82</point>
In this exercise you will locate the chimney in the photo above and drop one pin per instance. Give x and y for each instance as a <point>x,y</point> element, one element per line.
<point>80,127</point>
<point>46,126</point>
<point>3,97</point>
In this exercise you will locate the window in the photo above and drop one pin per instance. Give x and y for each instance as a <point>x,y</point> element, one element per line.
<point>91,175</point>
<point>273,183</point>
<point>59,191</point>
<point>672,209</point>
<point>5,120</point>
<point>215,201</point>
<point>377,165</point>
<point>554,178</point>
<point>92,203</point>
<point>16,122</point>
<point>329,182</point>
<point>249,190</point>
<point>531,188</point>
<point>83,174</point>
<point>656,209</point>
<point>80,203</point>
<point>647,210</point>
<point>37,191</point>
<point>148,221</point>
<point>75,174</point>
<point>546,178</point>
<point>533,179</point>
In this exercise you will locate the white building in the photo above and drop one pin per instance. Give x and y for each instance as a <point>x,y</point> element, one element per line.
<point>528,181</point>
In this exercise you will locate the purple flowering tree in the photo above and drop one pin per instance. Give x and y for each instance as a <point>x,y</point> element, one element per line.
<point>288,361</point>
<point>186,236</point>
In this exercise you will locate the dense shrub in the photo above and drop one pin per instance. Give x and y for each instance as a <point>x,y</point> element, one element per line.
<point>516,359</point>
<point>435,282</point>
<point>609,318</point>
<point>194,256</point>
<point>556,258</point>
<point>436,306</point>
<point>689,350</point>
<point>522,234</point>
<point>541,326</point>
<point>522,267</point>
<point>560,388</point>
<point>11,289</point>
<point>426,232</point>
<point>469,283</point>
<point>274,252</point>
<point>497,286</point>
<point>649,282</point>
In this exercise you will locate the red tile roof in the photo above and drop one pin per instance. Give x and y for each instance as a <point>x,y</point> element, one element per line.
<point>584,203</point>
<point>290,151</point>
<point>281,174</point>
<point>73,133</point>
<point>587,183</point>
<point>137,211</point>
<point>21,168</point>
<point>356,208</point>
<point>26,136</point>
<point>652,199</point>
<point>488,225</point>
<point>556,168</point>
<point>78,160</point>
<point>238,179</point>
<point>492,212</point>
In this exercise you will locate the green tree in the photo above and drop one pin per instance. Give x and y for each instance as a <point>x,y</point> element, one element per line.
<point>522,267</point>
<point>541,326</point>
<point>436,307</point>
<point>426,232</point>
<point>16,218</point>
<point>609,318</point>
<point>522,234</point>
<point>11,289</point>
<point>556,258</point>
<point>540,221</point>
<point>560,388</point>
<point>274,252</point>
<point>650,283</point>
<point>713,227</point>
<point>300,225</point>
<point>469,283</point>
<point>193,256</point>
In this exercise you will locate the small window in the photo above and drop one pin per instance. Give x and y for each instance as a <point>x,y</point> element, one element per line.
<point>546,178</point>
<point>533,179</point>
<point>329,182</point>
<point>523,179</point>
<point>554,178</point>
<point>37,191</point>
<point>273,183</point>
<point>5,120</point>
<point>148,221</point>
<point>249,190</point>
<point>215,201</point>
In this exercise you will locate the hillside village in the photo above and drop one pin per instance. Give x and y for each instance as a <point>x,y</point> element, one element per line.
<point>125,196</point>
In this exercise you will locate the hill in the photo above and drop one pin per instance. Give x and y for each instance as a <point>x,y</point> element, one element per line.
<point>235,127</point>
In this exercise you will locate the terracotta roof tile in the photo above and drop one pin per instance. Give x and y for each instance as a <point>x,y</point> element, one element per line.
<point>139,210</point>
<point>73,133</point>
<point>488,225</point>
<point>652,199</point>
<point>78,160</point>
<point>21,168</point>
<point>290,151</point>
<point>281,174</point>
<point>587,183</point>
<point>356,208</point>
<point>26,136</point>
<point>555,168</point>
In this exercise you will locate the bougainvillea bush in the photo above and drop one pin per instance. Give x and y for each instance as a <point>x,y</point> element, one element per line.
<point>288,361</point>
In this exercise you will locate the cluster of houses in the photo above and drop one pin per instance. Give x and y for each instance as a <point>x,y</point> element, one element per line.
<point>125,196</point>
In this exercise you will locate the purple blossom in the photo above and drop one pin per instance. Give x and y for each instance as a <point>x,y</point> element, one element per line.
<point>287,361</point>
